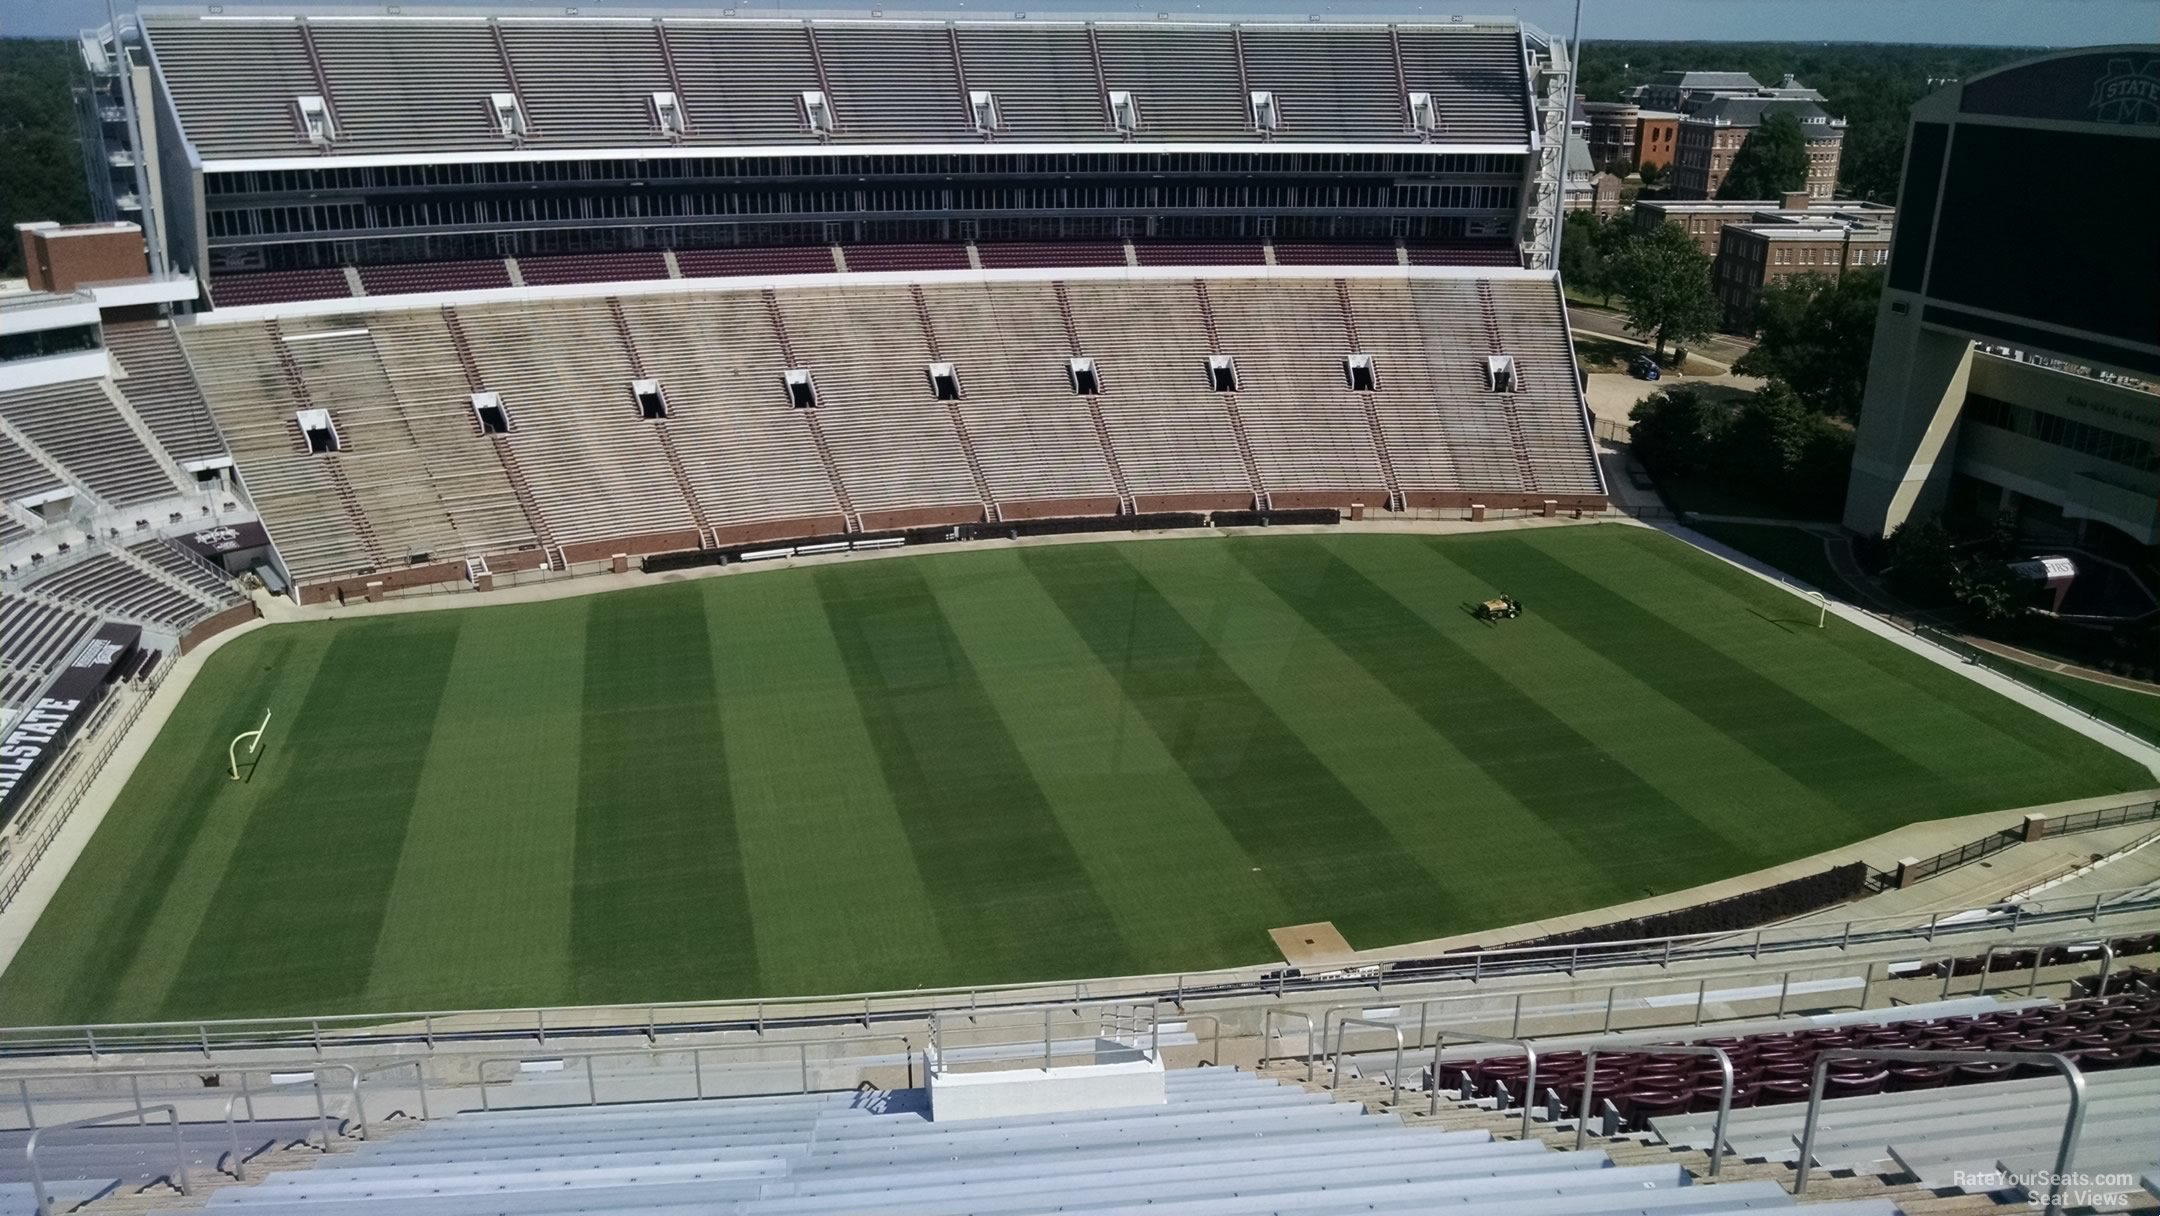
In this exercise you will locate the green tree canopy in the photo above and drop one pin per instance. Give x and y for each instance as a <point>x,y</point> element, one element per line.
<point>1817,335</point>
<point>1773,160</point>
<point>41,170</point>
<point>1663,280</point>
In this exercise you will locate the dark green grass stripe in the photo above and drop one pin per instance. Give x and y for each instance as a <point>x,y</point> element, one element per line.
<point>192,789</point>
<point>1626,832</point>
<point>2055,757</point>
<point>1848,767</point>
<point>659,909</point>
<point>1324,851</point>
<point>1005,884</point>
<point>298,912</point>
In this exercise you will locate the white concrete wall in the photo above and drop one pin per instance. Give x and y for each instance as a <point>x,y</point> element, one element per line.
<point>959,1096</point>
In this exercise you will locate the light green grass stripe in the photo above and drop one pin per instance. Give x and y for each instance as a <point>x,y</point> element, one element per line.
<point>1691,763</point>
<point>1978,750</point>
<point>812,810</point>
<point>321,850</point>
<point>1182,890</point>
<point>116,932</point>
<point>480,910</point>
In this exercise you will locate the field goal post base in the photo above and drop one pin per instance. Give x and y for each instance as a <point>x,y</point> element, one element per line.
<point>254,738</point>
<point>1822,615</point>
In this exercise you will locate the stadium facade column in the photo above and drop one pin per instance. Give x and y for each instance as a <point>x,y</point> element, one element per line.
<point>1903,453</point>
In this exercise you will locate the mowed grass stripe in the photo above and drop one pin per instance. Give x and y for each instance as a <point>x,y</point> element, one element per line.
<point>296,918</point>
<point>1992,750</point>
<point>144,844</point>
<point>659,909</point>
<point>1631,836</point>
<point>812,810</point>
<point>506,736</point>
<point>1847,766</point>
<point>1182,890</point>
<point>1325,853</point>
<point>1695,765</point>
<point>1011,896</point>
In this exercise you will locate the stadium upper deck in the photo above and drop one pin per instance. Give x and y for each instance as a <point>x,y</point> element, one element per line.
<point>255,90</point>
<point>334,139</point>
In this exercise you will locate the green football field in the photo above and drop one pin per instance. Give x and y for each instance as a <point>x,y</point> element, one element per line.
<point>973,766</point>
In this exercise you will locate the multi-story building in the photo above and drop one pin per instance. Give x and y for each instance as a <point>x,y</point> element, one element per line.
<point>2019,331</point>
<point>1713,134</point>
<point>1686,92</point>
<point>1624,138</point>
<point>1751,256</point>
<point>1705,219</point>
<point>313,144</point>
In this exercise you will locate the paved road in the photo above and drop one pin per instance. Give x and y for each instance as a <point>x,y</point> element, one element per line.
<point>1722,347</point>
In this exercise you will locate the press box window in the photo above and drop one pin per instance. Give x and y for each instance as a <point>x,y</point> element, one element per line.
<point>320,432</point>
<point>1358,373</point>
<point>315,119</point>
<point>1085,382</point>
<point>651,402</point>
<point>1500,373</point>
<point>494,417</point>
<point>801,389</point>
<point>1222,373</point>
<point>509,115</point>
<point>944,382</point>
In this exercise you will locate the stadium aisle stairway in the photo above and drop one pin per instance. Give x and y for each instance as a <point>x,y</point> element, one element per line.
<point>1226,1143</point>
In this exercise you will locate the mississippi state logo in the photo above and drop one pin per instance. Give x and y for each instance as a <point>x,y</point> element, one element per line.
<point>2127,96</point>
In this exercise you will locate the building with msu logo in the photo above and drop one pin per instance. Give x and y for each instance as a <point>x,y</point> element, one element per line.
<point>2017,352</point>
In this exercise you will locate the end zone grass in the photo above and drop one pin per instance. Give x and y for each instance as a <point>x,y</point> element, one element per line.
<point>1052,761</point>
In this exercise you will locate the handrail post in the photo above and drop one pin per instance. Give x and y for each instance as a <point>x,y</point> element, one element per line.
<point>1784,991</point>
<point>802,1060</point>
<point>1702,995</point>
<point>1046,1040</point>
<point>1394,1078</point>
<point>592,1084</point>
<point>29,1113</point>
<point>2066,1147</point>
<point>1612,993</point>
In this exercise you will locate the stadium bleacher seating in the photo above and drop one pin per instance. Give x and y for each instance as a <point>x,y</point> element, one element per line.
<point>80,425</point>
<point>1013,255</point>
<point>111,585</point>
<point>1200,253</point>
<point>232,288</point>
<point>592,268</point>
<point>879,258</point>
<point>1346,253</point>
<point>36,637</point>
<point>782,259</point>
<point>414,475</point>
<point>1225,1142</point>
<point>406,277</point>
<point>161,387</point>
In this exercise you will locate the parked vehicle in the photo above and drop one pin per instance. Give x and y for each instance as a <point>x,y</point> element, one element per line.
<point>1644,368</point>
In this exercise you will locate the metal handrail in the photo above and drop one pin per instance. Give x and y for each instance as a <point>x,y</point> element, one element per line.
<point>1114,1008</point>
<point>2073,1126</point>
<point>697,1062</point>
<point>1529,1077</point>
<point>1230,982</point>
<point>247,1095</point>
<point>2039,953</point>
<point>37,1176</point>
<point>1267,1027</point>
<point>1725,1093</point>
<point>135,1077</point>
<point>1394,1078</point>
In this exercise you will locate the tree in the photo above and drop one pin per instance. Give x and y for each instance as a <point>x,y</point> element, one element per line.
<point>1586,253</point>
<point>1772,161</point>
<point>1651,174</point>
<point>1663,280</point>
<point>1817,336</point>
<point>44,175</point>
<point>1678,433</point>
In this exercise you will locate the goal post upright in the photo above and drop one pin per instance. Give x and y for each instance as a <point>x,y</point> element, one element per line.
<point>254,738</point>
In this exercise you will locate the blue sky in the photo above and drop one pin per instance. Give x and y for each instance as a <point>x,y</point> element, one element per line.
<point>1999,22</point>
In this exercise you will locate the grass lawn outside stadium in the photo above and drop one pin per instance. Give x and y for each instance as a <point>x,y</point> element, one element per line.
<point>998,764</point>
